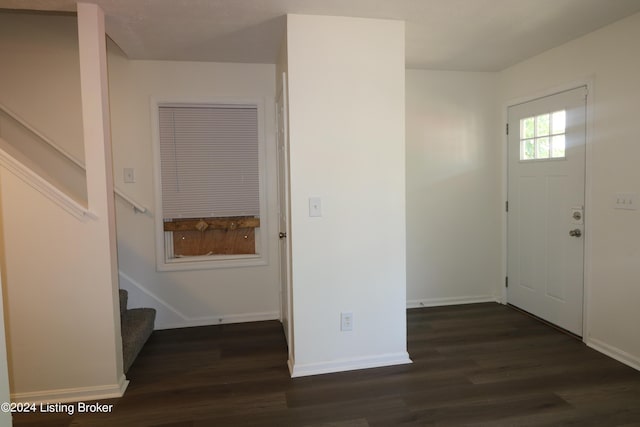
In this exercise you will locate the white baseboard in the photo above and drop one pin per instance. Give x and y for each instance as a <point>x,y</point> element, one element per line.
<point>79,394</point>
<point>133,286</point>
<point>435,302</point>
<point>614,353</point>
<point>169,317</point>
<point>219,320</point>
<point>43,186</point>
<point>290,365</point>
<point>303,370</point>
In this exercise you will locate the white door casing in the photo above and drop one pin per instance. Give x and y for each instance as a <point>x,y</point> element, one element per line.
<point>283,214</point>
<point>545,220</point>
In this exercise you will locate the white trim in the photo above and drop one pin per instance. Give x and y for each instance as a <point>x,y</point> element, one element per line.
<point>262,237</point>
<point>213,261</point>
<point>128,283</point>
<point>44,187</point>
<point>588,206</point>
<point>78,394</point>
<point>437,302</point>
<point>42,136</point>
<point>137,207</point>
<point>502,289</point>
<point>221,320</point>
<point>303,370</point>
<point>290,364</point>
<point>614,352</point>
<point>546,92</point>
<point>144,290</point>
<point>284,202</point>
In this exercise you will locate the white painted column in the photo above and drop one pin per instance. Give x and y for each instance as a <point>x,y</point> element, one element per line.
<point>346,128</point>
<point>97,148</point>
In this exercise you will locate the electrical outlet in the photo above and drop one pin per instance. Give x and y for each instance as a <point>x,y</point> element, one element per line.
<point>346,321</point>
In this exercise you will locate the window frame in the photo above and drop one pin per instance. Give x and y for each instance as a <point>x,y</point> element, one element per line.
<point>209,261</point>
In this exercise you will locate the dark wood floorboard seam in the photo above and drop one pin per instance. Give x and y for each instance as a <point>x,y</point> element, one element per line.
<point>478,364</point>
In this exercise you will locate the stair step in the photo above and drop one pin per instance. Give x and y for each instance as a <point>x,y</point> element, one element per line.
<point>137,326</point>
<point>124,298</point>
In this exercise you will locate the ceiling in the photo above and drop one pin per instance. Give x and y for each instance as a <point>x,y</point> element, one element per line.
<point>470,35</point>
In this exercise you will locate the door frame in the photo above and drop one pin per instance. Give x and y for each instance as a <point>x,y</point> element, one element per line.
<point>283,173</point>
<point>586,330</point>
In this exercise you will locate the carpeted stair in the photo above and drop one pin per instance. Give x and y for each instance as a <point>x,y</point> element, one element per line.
<point>137,326</point>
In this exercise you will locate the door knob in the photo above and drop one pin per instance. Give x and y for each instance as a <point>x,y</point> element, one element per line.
<point>282,235</point>
<point>575,233</point>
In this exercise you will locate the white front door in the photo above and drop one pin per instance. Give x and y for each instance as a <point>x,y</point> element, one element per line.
<point>545,243</point>
<point>283,208</point>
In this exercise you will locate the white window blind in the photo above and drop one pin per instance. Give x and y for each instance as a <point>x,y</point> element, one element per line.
<point>209,161</point>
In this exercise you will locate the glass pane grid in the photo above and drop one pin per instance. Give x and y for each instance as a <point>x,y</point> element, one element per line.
<point>543,136</point>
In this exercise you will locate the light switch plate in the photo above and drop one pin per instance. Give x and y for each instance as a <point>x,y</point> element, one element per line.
<point>315,207</point>
<point>627,201</point>
<point>129,175</point>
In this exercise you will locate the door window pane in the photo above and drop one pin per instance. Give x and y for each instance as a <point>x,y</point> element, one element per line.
<point>527,149</point>
<point>543,136</point>
<point>526,128</point>
<point>557,144</point>
<point>542,125</point>
<point>558,120</point>
<point>542,145</point>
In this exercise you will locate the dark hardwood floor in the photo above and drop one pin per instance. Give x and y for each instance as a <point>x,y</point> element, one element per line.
<point>480,364</point>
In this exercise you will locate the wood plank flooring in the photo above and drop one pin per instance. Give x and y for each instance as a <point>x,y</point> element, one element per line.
<point>479,364</point>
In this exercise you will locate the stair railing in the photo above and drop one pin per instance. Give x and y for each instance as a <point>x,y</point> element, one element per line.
<point>137,207</point>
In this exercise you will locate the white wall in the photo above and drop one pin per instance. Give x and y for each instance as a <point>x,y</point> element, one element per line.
<point>609,58</point>
<point>454,207</point>
<point>39,80</point>
<point>60,324</point>
<point>31,44</point>
<point>198,297</point>
<point>453,199</point>
<point>40,74</point>
<point>346,121</point>
<point>62,316</point>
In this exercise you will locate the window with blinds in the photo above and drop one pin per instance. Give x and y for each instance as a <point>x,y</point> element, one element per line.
<point>210,180</point>
<point>209,161</point>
